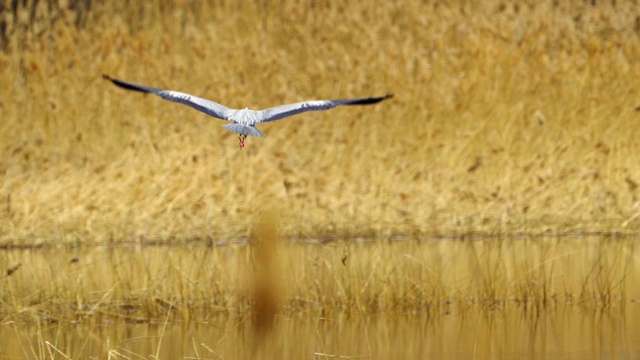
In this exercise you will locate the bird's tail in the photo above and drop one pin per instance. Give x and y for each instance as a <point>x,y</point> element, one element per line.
<point>244,130</point>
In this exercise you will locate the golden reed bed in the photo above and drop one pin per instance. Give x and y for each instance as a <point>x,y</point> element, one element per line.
<point>506,119</point>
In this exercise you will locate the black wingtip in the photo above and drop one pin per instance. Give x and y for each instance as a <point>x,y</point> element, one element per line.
<point>107,77</point>
<point>129,86</point>
<point>377,99</point>
<point>371,100</point>
<point>114,81</point>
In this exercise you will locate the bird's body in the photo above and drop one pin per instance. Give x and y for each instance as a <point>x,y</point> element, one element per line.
<point>245,120</point>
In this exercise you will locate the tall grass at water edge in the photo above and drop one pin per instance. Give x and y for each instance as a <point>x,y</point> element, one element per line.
<point>404,278</point>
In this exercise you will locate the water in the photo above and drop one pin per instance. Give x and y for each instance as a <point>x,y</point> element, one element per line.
<point>148,302</point>
<point>507,333</point>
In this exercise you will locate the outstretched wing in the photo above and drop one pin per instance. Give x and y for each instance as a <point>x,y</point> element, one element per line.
<point>206,106</point>
<point>279,112</point>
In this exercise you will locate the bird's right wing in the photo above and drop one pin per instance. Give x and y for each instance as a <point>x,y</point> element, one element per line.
<point>206,106</point>
<point>282,111</point>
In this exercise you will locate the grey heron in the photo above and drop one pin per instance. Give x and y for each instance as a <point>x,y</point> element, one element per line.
<point>245,120</point>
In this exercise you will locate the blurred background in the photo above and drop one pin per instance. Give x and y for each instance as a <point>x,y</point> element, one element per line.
<point>507,118</point>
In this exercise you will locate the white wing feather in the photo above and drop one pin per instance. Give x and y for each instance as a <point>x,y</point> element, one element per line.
<point>206,106</point>
<point>282,111</point>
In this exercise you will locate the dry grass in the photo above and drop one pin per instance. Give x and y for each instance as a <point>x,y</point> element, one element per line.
<point>505,120</point>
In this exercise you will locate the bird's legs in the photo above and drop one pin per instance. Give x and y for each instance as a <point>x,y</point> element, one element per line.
<point>241,144</point>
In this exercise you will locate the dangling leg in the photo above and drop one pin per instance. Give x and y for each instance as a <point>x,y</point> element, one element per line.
<point>241,144</point>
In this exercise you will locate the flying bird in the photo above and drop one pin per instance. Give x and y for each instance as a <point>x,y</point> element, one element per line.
<point>244,121</point>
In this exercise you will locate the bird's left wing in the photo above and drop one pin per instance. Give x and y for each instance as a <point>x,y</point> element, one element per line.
<point>206,106</point>
<point>279,112</point>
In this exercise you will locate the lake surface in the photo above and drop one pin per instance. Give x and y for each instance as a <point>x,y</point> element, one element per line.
<point>507,333</point>
<point>61,303</point>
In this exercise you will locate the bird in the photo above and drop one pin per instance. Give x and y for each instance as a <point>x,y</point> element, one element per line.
<point>244,121</point>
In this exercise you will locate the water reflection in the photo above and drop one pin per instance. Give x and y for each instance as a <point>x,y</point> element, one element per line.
<point>507,333</point>
<point>568,298</point>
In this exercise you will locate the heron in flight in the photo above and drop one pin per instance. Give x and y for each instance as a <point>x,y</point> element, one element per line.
<point>244,121</point>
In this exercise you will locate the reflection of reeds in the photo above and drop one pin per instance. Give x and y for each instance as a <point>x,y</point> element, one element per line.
<point>481,333</point>
<point>505,120</point>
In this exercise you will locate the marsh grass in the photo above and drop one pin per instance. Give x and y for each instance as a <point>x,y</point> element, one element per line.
<point>506,118</point>
<point>132,285</point>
